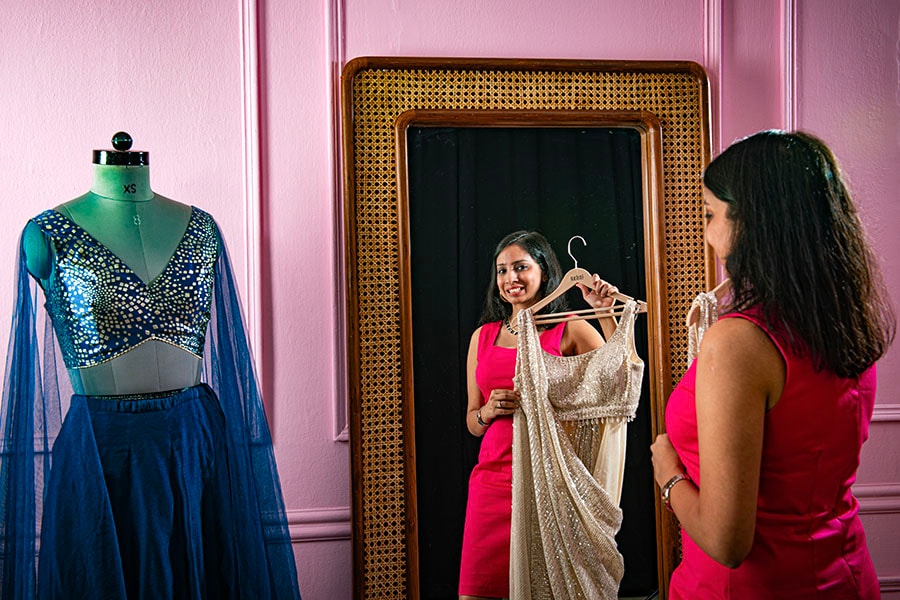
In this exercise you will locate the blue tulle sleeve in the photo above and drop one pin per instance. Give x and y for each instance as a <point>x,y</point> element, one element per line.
<point>21,386</point>
<point>30,417</point>
<point>228,369</point>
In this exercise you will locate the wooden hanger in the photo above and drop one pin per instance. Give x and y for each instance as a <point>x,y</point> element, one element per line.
<point>720,291</point>
<point>575,276</point>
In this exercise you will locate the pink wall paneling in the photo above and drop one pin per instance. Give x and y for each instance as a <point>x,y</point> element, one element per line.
<point>235,101</point>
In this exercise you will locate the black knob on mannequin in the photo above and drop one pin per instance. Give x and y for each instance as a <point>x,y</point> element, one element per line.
<point>121,141</point>
<point>122,155</point>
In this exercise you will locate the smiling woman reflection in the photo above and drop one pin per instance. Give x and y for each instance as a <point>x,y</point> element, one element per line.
<point>526,269</point>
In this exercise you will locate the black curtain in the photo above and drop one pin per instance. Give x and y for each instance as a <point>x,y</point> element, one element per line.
<point>469,187</point>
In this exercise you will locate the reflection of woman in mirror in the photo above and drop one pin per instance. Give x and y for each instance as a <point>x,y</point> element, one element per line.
<point>765,429</point>
<point>526,269</point>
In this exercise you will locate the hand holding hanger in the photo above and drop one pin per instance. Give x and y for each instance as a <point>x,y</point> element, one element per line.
<point>578,276</point>
<point>601,295</point>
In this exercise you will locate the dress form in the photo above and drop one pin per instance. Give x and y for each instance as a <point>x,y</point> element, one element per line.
<point>143,229</point>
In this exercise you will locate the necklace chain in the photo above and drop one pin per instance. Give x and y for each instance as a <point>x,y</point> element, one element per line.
<point>509,327</point>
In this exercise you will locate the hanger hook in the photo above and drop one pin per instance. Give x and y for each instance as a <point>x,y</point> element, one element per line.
<point>569,248</point>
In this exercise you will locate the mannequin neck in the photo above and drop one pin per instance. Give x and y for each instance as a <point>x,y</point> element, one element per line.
<point>127,184</point>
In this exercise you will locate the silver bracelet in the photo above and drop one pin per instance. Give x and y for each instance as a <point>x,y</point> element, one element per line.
<point>667,489</point>
<point>478,418</point>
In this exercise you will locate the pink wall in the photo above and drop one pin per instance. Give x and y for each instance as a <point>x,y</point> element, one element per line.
<point>235,103</point>
<point>848,91</point>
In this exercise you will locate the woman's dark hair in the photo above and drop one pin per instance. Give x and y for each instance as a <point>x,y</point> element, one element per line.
<point>535,244</point>
<point>799,251</point>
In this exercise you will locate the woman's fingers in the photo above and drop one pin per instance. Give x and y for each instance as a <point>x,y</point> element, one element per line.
<point>604,288</point>
<point>505,395</point>
<point>503,402</point>
<point>600,295</point>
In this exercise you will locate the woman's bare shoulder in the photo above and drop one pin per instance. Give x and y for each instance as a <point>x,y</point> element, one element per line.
<point>737,335</point>
<point>741,348</point>
<point>476,335</point>
<point>580,337</point>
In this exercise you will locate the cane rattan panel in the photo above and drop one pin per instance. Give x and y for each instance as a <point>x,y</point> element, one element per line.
<point>375,92</point>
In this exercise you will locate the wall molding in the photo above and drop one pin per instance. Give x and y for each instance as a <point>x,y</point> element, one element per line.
<point>789,64</point>
<point>319,524</point>
<point>878,498</point>
<point>886,413</point>
<point>712,58</point>
<point>334,48</point>
<point>891,583</point>
<point>252,176</point>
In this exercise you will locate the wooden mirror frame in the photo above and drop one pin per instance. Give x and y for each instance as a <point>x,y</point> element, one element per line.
<point>380,98</point>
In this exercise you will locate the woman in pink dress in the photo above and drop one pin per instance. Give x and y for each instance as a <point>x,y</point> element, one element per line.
<point>526,269</point>
<point>765,429</point>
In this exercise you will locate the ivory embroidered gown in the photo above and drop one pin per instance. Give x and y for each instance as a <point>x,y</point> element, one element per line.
<point>568,464</point>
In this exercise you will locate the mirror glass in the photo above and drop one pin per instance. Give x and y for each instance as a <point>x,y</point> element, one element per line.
<point>467,188</point>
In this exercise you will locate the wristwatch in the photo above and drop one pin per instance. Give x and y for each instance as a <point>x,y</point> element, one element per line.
<point>667,489</point>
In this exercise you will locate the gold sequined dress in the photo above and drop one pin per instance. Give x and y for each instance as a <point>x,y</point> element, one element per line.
<point>568,462</point>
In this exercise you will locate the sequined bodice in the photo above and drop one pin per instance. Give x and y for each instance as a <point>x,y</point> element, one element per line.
<point>600,384</point>
<point>101,309</point>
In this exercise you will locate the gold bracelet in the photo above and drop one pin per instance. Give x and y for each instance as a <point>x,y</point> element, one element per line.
<point>667,489</point>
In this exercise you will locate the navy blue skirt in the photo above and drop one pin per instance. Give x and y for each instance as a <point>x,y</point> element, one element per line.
<point>143,504</point>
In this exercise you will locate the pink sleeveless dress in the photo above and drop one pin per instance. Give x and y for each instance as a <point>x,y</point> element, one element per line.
<point>484,567</point>
<point>809,540</point>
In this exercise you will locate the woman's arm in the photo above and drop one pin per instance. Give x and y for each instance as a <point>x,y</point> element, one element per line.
<point>739,373</point>
<point>579,337</point>
<point>501,402</point>
<point>474,394</point>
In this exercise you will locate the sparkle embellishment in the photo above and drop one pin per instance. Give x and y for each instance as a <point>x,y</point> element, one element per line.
<point>102,309</point>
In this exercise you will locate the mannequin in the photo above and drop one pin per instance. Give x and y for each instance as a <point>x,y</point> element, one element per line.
<point>142,228</point>
<point>161,480</point>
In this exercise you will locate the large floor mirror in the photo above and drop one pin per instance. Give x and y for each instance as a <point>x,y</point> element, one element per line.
<point>445,157</point>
